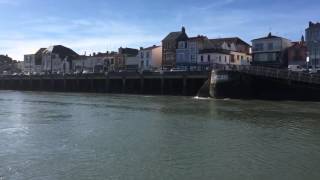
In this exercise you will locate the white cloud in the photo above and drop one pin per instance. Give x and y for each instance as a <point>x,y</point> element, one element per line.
<point>215,4</point>
<point>79,34</point>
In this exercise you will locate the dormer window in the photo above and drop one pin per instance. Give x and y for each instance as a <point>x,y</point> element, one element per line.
<point>182,45</point>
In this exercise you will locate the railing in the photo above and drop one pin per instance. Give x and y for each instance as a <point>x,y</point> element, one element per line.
<point>273,73</point>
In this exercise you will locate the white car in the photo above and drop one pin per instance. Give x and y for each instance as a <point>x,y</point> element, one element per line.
<point>296,68</point>
<point>177,70</point>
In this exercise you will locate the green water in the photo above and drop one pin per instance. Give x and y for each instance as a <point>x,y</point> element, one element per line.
<point>92,136</point>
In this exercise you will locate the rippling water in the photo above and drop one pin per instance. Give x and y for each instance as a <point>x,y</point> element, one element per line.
<point>90,136</point>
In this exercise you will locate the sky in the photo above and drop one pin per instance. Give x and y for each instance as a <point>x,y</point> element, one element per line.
<point>101,25</point>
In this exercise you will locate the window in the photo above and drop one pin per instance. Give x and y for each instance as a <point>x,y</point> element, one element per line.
<point>209,58</point>
<point>258,47</point>
<point>219,58</point>
<point>141,55</point>
<point>201,58</point>
<point>270,46</point>
<point>148,54</point>
<point>238,57</point>
<point>193,57</point>
<point>270,57</point>
<point>181,45</point>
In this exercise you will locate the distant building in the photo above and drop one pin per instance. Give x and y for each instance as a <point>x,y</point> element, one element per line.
<point>58,59</point>
<point>170,45</point>
<point>150,58</point>
<point>313,43</point>
<point>128,59</point>
<point>240,51</point>
<point>270,51</point>
<point>33,62</point>
<point>232,44</point>
<point>7,65</point>
<point>297,53</point>
<point>88,63</point>
<point>188,51</point>
<point>209,57</point>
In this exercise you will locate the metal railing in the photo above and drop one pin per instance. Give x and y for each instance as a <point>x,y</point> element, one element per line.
<point>273,73</point>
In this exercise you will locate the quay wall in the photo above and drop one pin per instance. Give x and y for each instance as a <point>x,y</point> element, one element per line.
<point>182,83</point>
<point>240,85</point>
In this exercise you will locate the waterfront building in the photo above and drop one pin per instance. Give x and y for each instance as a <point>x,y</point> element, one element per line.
<point>7,65</point>
<point>170,45</point>
<point>150,58</point>
<point>240,51</point>
<point>313,43</point>
<point>97,62</point>
<point>210,57</point>
<point>270,51</point>
<point>297,53</point>
<point>235,44</point>
<point>128,59</point>
<point>33,62</point>
<point>188,51</point>
<point>58,59</point>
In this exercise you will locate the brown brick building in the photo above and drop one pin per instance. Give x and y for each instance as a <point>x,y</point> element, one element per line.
<point>297,53</point>
<point>169,46</point>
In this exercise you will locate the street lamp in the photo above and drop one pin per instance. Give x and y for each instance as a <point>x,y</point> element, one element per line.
<point>308,60</point>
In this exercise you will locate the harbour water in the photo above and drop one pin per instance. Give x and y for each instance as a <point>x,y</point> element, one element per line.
<point>97,136</point>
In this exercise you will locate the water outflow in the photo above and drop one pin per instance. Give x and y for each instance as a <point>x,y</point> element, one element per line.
<point>204,90</point>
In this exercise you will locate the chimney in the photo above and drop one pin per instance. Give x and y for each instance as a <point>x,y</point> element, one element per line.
<point>302,39</point>
<point>310,23</point>
<point>183,29</point>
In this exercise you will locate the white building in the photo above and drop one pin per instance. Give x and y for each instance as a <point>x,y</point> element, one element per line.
<point>33,62</point>
<point>90,63</point>
<point>29,63</point>
<point>150,58</point>
<point>209,57</point>
<point>58,59</point>
<point>50,60</point>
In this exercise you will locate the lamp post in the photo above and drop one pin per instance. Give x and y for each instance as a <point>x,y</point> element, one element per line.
<point>308,60</point>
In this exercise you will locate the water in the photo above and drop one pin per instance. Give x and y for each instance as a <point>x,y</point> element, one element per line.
<point>90,136</point>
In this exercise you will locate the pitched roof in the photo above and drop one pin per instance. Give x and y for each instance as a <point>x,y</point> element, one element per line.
<point>40,51</point>
<point>61,50</point>
<point>314,25</point>
<point>175,35</point>
<point>151,47</point>
<point>172,36</point>
<point>235,40</point>
<point>270,36</point>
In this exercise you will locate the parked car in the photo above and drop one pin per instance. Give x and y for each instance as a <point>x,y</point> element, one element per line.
<point>314,70</point>
<point>296,68</point>
<point>178,70</point>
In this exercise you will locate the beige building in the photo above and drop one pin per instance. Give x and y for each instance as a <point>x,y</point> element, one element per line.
<point>150,58</point>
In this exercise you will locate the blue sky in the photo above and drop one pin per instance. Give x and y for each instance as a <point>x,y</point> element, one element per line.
<point>100,25</point>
